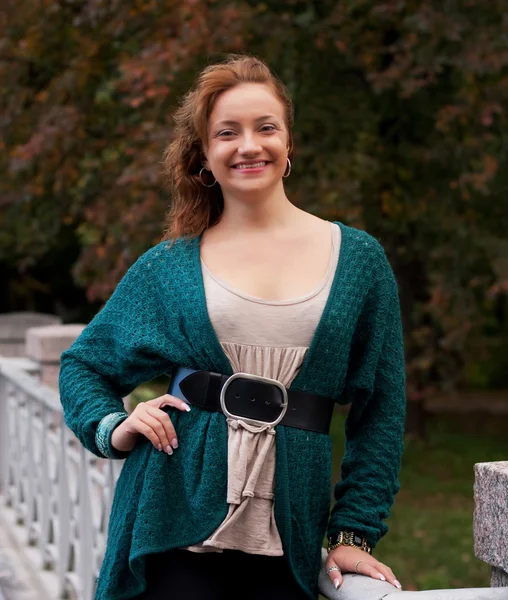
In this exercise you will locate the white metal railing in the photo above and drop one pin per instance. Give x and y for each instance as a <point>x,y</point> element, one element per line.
<point>55,494</point>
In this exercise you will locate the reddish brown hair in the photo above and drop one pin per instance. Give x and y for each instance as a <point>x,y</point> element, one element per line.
<point>195,207</point>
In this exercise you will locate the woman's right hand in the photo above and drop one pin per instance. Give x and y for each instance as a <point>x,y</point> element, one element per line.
<point>149,420</point>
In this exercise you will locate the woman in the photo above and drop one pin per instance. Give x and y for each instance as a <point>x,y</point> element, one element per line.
<point>227,480</point>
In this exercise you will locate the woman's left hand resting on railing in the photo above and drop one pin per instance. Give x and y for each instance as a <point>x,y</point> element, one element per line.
<point>349,557</point>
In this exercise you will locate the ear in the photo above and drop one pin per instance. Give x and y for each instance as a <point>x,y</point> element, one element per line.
<point>204,161</point>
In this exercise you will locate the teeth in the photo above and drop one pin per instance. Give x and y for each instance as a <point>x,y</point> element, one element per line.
<point>251,166</point>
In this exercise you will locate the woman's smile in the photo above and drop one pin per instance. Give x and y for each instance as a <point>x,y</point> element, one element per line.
<point>249,168</point>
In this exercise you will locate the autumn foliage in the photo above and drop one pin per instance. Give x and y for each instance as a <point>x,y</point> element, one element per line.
<point>400,129</point>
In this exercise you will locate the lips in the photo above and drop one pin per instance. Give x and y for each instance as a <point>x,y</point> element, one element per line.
<point>251,165</point>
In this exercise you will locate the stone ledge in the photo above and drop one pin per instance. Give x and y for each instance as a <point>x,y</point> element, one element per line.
<point>13,328</point>
<point>490,519</point>
<point>14,324</point>
<point>360,587</point>
<point>46,344</point>
<point>22,363</point>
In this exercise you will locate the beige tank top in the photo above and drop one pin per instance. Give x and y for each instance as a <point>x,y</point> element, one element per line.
<point>270,339</point>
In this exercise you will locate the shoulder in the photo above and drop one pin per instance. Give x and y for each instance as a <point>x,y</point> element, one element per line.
<point>363,248</point>
<point>370,269</point>
<point>164,262</point>
<point>165,253</point>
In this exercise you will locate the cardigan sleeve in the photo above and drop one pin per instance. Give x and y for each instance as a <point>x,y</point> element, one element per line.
<point>122,347</point>
<point>374,427</point>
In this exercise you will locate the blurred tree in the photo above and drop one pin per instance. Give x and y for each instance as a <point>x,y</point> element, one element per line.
<point>400,126</point>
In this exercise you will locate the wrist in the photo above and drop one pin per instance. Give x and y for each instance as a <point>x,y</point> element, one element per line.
<point>104,435</point>
<point>122,440</point>
<point>348,538</point>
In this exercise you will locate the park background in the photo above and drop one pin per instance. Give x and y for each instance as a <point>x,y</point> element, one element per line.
<point>400,129</point>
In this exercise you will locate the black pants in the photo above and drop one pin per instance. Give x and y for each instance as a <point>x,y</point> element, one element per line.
<point>229,575</point>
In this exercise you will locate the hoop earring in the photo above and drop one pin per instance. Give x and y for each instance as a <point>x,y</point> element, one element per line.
<point>201,181</point>
<point>289,172</point>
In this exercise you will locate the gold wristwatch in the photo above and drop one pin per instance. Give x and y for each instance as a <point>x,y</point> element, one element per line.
<point>348,538</point>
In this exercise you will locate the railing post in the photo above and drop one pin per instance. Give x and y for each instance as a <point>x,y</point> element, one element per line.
<point>64,516</point>
<point>13,327</point>
<point>490,521</point>
<point>86,529</point>
<point>4,437</point>
<point>45,345</point>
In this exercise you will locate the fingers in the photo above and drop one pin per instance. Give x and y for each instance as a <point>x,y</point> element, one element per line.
<point>365,568</point>
<point>388,574</point>
<point>354,560</point>
<point>143,422</point>
<point>377,570</point>
<point>333,571</point>
<point>155,424</point>
<point>168,400</point>
<point>163,428</point>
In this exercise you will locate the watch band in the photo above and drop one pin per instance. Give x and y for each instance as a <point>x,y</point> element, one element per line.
<point>348,538</point>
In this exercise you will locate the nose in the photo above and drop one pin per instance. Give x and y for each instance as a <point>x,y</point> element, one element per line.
<point>249,145</point>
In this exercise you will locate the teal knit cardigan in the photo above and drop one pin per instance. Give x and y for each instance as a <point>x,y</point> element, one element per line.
<point>157,318</point>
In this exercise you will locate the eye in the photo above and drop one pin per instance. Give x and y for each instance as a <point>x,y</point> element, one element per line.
<point>268,128</point>
<point>225,133</point>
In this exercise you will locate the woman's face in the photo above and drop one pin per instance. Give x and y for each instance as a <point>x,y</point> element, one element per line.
<point>247,140</point>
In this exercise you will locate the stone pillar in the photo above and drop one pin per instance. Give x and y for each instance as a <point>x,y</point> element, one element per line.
<point>13,327</point>
<point>45,345</point>
<point>490,520</point>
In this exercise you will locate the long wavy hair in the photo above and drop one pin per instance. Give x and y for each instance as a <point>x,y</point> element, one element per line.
<point>195,207</point>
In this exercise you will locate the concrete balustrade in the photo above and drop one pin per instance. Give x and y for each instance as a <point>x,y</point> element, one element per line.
<point>13,328</point>
<point>45,345</point>
<point>490,520</point>
<point>55,497</point>
<point>359,587</point>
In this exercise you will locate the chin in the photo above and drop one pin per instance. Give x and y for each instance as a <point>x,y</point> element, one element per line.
<point>253,185</point>
<point>251,188</point>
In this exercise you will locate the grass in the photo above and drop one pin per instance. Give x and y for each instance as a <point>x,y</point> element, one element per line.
<point>429,544</point>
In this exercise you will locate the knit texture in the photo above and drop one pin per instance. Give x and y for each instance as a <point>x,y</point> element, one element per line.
<point>104,434</point>
<point>156,319</point>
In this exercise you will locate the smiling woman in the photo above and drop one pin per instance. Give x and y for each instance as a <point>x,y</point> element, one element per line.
<point>251,152</point>
<point>265,316</point>
<point>238,114</point>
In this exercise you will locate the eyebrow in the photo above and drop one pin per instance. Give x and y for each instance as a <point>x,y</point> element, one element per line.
<point>263,118</point>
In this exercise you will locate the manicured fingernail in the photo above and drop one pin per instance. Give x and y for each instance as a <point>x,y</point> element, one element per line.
<point>174,443</point>
<point>336,583</point>
<point>186,407</point>
<point>159,447</point>
<point>169,450</point>
<point>382,577</point>
<point>398,584</point>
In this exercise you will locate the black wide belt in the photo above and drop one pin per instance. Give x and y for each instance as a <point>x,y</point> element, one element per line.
<point>252,399</point>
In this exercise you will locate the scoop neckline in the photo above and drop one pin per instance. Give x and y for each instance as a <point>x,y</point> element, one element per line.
<point>297,299</point>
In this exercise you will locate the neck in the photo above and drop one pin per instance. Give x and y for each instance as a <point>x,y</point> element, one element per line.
<point>251,212</point>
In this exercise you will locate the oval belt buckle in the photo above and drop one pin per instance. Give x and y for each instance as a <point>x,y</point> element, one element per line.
<point>284,405</point>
